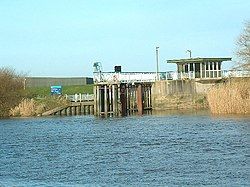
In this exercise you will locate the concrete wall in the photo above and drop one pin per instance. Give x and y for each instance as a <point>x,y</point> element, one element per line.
<point>179,94</point>
<point>175,87</point>
<point>52,81</point>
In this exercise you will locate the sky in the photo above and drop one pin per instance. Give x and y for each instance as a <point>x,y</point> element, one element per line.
<point>63,38</point>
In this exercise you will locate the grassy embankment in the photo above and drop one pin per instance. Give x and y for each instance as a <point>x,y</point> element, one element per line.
<point>231,97</point>
<point>39,100</point>
<point>45,91</point>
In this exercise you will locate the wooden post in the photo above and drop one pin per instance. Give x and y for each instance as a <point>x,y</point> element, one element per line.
<point>123,100</point>
<point>105,101</point>
<point>114,97</point>
<point>139,100</point>
<point>91,109</point>
<point>95,100</point>
<point>78,110</point>
<point>110,106</point>
<point>128,98</point>
<point>119,107</point>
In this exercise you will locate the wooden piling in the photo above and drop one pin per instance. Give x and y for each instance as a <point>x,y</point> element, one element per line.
<point>139,99</point>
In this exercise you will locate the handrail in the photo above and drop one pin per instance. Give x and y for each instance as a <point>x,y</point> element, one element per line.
<point>80,97</point>
<point>134,77</point>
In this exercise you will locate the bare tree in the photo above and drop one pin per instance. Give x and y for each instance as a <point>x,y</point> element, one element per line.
<point>11,90</point>
<point>243,44</point>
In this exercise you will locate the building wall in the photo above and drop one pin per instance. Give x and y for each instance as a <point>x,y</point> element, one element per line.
<point>52,81</point>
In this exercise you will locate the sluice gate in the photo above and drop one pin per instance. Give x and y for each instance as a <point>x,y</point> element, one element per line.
<point>122,99</point>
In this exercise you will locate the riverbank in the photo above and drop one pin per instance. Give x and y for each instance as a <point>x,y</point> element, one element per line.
<point>231,96</point>
<point>227,96</point>
<point>35,107</point>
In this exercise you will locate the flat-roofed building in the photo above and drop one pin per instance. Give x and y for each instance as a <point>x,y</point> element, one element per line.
<point>201,68</point>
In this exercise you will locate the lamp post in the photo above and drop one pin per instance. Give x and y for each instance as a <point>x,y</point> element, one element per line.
<point>157,63</point>
<point>190,53</point>
<point>24,83</point>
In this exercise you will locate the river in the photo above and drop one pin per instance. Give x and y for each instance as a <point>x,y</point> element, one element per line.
<point>152,150</point>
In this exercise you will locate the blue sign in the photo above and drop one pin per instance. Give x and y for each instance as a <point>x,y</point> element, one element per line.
<point>56,90</point>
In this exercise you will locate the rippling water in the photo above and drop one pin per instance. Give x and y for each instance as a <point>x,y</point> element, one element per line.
<point>154,150</point>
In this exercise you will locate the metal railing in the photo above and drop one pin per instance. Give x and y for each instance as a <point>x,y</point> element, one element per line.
<point>235,73</point>
<point>134,77</point>
<point>124,77</point>
<point>80,97</point>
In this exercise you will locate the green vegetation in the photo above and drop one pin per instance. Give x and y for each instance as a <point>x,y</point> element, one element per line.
<point>15,101</point>
<point>45,91</point>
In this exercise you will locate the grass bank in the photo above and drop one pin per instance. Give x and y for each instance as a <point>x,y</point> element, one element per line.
<point>38,100</point>
<point>231,97</point>
<point>45,91</point>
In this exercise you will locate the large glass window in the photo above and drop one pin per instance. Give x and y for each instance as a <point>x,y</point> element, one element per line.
<point>186,68</point>
<point>215,65</point>
<point>191,67</point>
<point>207,66</point>
<point>219,65</point>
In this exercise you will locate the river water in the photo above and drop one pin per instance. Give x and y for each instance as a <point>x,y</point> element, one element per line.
<point>151,150</point>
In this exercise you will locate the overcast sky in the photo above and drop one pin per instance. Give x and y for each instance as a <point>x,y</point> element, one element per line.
<point>65,37</point>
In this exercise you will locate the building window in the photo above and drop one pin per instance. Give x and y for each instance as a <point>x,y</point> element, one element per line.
<point>211,66</point>
<point>207,66</point>
<point>186,68</point>
<point>191,67</point>
<point>219,65</point>
<point>215,65</point>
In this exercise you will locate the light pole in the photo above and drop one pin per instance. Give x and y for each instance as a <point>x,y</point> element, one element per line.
<point>157,63</point>
<point>190,53</point>
<point>24,83</point>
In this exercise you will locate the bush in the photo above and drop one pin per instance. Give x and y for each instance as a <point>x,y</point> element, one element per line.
<point>11,90</point>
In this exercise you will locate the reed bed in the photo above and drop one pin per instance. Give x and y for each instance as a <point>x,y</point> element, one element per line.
<point>30,107</point>
<point>25,108</point>
<point>232,97</point>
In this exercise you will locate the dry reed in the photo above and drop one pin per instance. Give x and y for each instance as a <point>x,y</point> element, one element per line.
<point>26,108</point>
<point>232,97</point>
<point>30,107</point>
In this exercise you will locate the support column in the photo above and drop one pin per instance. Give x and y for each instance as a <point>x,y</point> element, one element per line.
<point>217,70</point>
<point>123,100</point>
<point>200,70</point>
<point>105,101</point>
<point>97,101</point>
<point>110,106</point>
<point>213,69</point>
<point>139,100</point>
<point>114,97</point>
<point>205,70</point>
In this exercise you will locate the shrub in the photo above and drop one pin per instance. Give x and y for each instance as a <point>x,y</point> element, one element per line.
<point>11,90</point>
